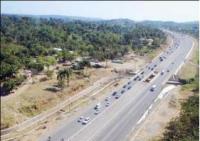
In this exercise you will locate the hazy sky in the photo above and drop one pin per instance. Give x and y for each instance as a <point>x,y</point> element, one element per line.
<point>136,10</point>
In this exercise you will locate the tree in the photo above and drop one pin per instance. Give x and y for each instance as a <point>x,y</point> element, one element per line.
<point>65,73</point>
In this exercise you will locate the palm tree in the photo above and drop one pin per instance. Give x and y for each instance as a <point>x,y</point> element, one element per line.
<point>65,73</point>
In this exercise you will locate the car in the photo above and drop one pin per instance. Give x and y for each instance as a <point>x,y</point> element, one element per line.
<point>167,70</point>
<point>117,96</point>
<point>122,91</point>
<point>151,68</point>
<point>139,79</point>
<point>142,72</point>
<point>153,88</point>
<point>162,72</point>
<point>107,98</point>
<point>80,119</point>
<point>86,120</point>
<point>96,112</point>
<point>129,82</point>
<point>135,78</point>
<point>98,106</point>
<point>129,87</point>
<point>155,65</point>
<point>107,104</point>
<point>114,93</point>
<point>124,86</point>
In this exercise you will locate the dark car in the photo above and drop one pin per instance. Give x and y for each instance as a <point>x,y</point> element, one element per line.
<point>114,93</point>
<point>122,91</point>
<point>129,87</point>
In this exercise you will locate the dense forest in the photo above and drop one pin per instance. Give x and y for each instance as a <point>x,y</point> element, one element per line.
<point>30,42</point>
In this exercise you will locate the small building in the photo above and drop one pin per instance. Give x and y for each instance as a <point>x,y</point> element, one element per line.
<point>57,49</point>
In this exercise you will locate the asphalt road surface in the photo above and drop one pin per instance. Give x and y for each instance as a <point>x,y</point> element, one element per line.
<point>120,113</point>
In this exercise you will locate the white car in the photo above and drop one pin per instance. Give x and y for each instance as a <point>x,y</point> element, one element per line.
<point>98,106</point>
<point>153,87</point>
<point>86,120</point>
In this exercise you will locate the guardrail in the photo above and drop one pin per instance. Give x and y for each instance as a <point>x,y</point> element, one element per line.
<point>53,110</point>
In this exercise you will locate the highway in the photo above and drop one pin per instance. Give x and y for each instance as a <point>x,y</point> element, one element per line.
<point>119,114</point>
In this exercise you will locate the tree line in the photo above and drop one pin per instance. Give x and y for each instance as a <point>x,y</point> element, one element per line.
<point>28,43</point>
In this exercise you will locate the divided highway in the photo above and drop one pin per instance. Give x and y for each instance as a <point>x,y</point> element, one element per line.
<point>119,113</point>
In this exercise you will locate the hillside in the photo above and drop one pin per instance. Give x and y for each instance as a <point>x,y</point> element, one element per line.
<point>26,40</point>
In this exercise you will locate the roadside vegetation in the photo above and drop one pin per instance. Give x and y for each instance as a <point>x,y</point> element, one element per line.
<point>38,43</point>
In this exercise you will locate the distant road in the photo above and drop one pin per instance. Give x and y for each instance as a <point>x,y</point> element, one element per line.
<point>114,122</point>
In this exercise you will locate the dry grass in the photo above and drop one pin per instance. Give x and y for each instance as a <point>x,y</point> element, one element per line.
<point>40,96</point>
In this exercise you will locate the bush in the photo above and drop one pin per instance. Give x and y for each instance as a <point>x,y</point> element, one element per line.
<point>37,66</point>
<point>9,85</point>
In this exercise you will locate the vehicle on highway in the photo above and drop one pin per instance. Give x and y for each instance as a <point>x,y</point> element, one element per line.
<point>168,70</point>
<point>98,106</point>
<point>117,96</point>
<point>124,86</point>
<point>107,104</point>
<point>142,72</point>
<point>96,112</point>
<point>153,88</point>
<point>129,82</point>
<point>155,65</point>
<point>80,119</point>
<point>139,79</point>
<point>107,98</point>
<point>86,120</point>
<point>122,91</point>
<point>114,93</point>
<point>162,72</point>
<point>151,68</point>
<point>129,87</point>
<point>161,59</point>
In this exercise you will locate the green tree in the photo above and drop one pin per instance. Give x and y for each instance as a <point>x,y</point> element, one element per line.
<point>65,73</point>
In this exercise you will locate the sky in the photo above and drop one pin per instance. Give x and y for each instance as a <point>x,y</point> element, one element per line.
<point>178,11</point>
